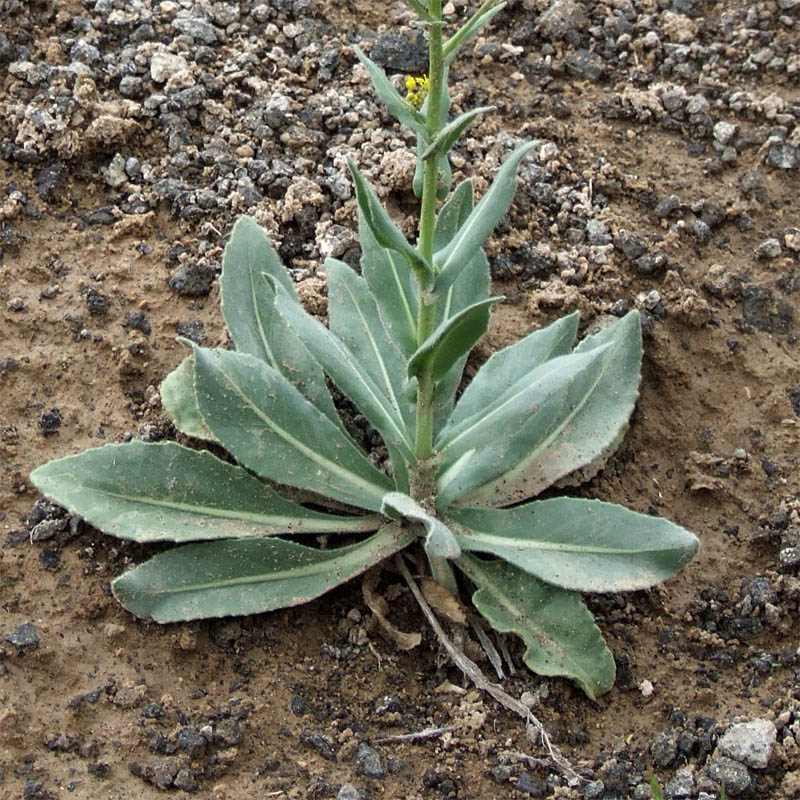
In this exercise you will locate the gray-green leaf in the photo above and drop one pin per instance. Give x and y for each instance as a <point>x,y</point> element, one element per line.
<point>179,401</point>
<point>393,286</point>
<point>439,541</point>
<point>386,233</point>
<point>452,340</point>
<point>594,428</point>
<point>560,634</point>
<point>353,317</point>
<point>585,545</point>
<point>165,492</point>
<point>489,444</point>
<point>470,28</point>
<point>490,209</point>
<point>451,132</point>
<point>402,111</point>
<point>512,366</point>
<point>272,429</point>
<point>245,576</point>
<point>349,375</point>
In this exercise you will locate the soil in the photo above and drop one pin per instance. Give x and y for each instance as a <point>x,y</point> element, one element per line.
<point>103,266</point>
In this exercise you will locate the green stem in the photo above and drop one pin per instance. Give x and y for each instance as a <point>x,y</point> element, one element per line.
<point>426,318</point>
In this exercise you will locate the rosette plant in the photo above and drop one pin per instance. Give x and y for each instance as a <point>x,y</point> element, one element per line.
<point>461,465</point>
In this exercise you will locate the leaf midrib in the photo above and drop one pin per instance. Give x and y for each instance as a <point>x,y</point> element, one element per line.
<point>331,466</point>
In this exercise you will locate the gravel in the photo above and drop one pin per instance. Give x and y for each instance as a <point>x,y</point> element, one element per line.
<point>750,743</point>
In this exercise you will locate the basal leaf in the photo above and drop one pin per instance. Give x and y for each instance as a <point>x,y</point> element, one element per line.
<point>439,541</point>
<point>490,209</point>
<point>349,375</point>
<point>393,286</point>
<point>560,634</point>
<point>247,255</point>
<point>452,340</point>
<point>245,576</point>
<point>179,401</point>
<point>512,427</point>
<point>593,429</point>
<point>386,233</point>
<point>270,428</point>
<point>165,492</point>
<point>402,111</point>
<point>585,545</point>
<point>354,319</point>
<point>250,269</point>
<point>512,367</point>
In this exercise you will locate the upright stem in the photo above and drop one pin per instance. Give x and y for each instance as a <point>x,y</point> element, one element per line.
<point>426,318</point>
<point>422,485</point>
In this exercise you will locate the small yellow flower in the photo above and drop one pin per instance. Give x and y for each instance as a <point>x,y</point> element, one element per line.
<point>417,90</point>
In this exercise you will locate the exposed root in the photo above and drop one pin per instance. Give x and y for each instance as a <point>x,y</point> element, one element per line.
<point>423,735</point>
<point>534,728</point>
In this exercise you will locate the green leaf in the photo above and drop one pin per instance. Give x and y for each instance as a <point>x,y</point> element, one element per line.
<point>179,401</point>
<point>439,541</point>
<point>271,429</point>
<point>165,492</point>
<point>245,576</point>
<point>349,375</point>
<point>560,634</point>
<point>401,110</point>
<point>386,233</point>
<point>450,133</point>
<point>490,209</point>
<point>585,545</point>
<point>593,429</point>
<point>248,304</point>
<point>471,286</point>
<point>512,427</point>
<point>354,319</point>
<point>512,366</point>
<point>393,288</point>
<point>452,340</point>
<point>469,29</point>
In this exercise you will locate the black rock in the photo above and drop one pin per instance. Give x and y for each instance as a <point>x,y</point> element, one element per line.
<point>50,181</point>
<point>782,155</point>
<point>192,742</point>
<point>96,302</point>
<point>24,637</point>
<point>631,245</point>
<point>317,742</point>
<point>193,279</point>
<point>586,64</point>
<point>298,706</point>
<point>100,216</point>
<point>734,776</point>
<point>137,321</point>
<point>794,399</point>
<point>228,732</point>
<point>368,762</point>
<point>195,331</point>
<point>35,790</point>
<point>401,53</point>
<point>531,785</point>
<point>664,748</point>
<point>50,421</point>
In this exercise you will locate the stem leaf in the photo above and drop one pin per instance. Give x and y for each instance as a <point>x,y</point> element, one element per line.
<point>452,340</point>
<point>180,402</point>
<point>490,209</point>
<point>402,111</point>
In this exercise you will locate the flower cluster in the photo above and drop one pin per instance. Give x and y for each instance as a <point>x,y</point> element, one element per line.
<point>417,90</point>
